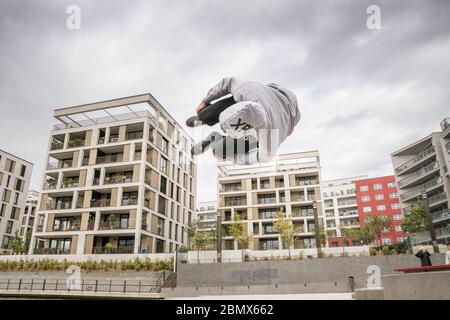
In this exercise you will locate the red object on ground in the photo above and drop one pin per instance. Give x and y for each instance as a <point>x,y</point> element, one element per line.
<point>441,267</point>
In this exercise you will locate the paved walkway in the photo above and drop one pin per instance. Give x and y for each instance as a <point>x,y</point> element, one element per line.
<point>303,296</point>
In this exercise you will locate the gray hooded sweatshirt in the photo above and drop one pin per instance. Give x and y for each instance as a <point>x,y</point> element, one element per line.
<point>266,113</point>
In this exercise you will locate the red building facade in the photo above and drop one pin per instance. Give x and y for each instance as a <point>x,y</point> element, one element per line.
<point>379,196</point>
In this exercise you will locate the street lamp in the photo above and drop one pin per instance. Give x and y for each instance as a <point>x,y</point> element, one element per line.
<point>317,229</point>
<point>430,222</point>
<point>219,237</point>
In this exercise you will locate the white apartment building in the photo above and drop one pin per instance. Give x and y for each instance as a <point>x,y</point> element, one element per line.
<point>206,213</point>
<point>290,182</point>
<point>15,175</point>
<point>29,214</point>
<point>340,207</point>
<point>119,179</point>
<point>423,166</point>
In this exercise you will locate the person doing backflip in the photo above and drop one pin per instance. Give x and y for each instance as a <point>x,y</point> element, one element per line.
<point>255,117</point>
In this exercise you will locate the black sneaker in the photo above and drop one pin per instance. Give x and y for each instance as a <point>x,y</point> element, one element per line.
<point>193,121</point>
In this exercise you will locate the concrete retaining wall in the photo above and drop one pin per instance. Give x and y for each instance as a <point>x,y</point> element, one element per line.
<point>93,275</point>
<point>422,286</point>
<point>332,271</point>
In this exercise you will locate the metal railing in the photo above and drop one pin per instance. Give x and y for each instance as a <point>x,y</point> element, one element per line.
<point>134,135</point>
<point>59,205</point>
<point>443,232</point>
<point>267,200</point>
<point>441,215</point>
<point>51,251</point>
<point>113,250</point>
<point>418,174</point>
<point>109,159</point>
<point>94,286</point>
<point>437,198</point>
<point>129,202</point>
<point>118,179</point>
<point>76,143</point>
<point>101,203</point>
<point>113,225</point>
<point>74,227</point>
<point>422,155</point>
<point>423,187</point>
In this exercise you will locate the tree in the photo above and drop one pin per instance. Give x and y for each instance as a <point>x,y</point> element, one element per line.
<point>27,240</point>
<point>374,227</point>
<point>285,227</point>
<point>416,220</point>
<point>323,234</point>
<point>348,233</point>
<point>236,230</point>
<point>17,243</point>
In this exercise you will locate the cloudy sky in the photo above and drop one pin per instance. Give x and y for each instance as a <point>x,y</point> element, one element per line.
<point>363,93</point>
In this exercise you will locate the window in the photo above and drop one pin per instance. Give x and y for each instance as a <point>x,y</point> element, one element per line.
<point>162,205</point>
<point>165,145</point>
<point>363,188</point>
<point>395,206</point>
<point>160,227</point>
<point>397,217</point>
<point>387,241</point>
<point>9,227</point>
<point>379,196</point>
<point>2,210</point>
<point>23,170</point>
<point>391,184</point>
<point>381,207</point>
<point>401,239</point>
<point>377,186</point>
<point>367,209</point>
<point>16,198</point>
<point>365,199</point>
<point>163,185</point>
<point>163,165</point>
<point>6,242</point>
<point>398,228</point>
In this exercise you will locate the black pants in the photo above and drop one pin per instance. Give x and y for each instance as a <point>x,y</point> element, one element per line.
<point>222,144</point>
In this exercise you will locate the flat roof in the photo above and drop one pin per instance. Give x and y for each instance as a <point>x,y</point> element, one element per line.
<point>112,110</point>
<point>14,156</point>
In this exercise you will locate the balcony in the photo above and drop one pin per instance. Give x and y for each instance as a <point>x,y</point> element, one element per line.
<point>417,159</point>
<point>418,174</point>
<point>129,202</point>
<point>234,202</point>
<point>347,203</point>
<point>100,203</point>
<point>112,158</point>
<point>56,145</point>
<point>70,227</point>
<point>443,232</point>
<point>348,213</point>
<point>51,251</point>
<point>118,179</point>
<point>267,200</point>
<point>113,250</point>
<point>134,135</point>
<point>59,205</point>
<point>76,143</point>
<point>441,215</point>
<point>113,224</point>
<point>232,187</point>
<point>437,198</point>
<point>70,183</point>
<point>445,127</point>
<point>416,191</point>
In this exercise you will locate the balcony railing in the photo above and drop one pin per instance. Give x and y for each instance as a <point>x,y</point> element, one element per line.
<point>437,198</point>
<point>57,145</point>
<point>113,250</point>
<point>118,179</point>
<point>113,224</point>
<point>348,213</point>
<point>75,143</point>
<point>59,205</point>
<point>52,165</point>
<point>71,227</point>
<point>267,200</point>
<point>422,155</point>
<point>51,251</point>
<point>49,186</point>
<point>443,232</point>
<point>109,159</point>
<point>418,174</point>
<point>423,187</point>
<point>129,202</point>
<point>134,135</point>
<point>73,184</point>
<point>441,215</point>
<point>100,203</point>
<point>231,188</point>
<point>230,203</point>
<point>114,138</point>
<point>346,203</point>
